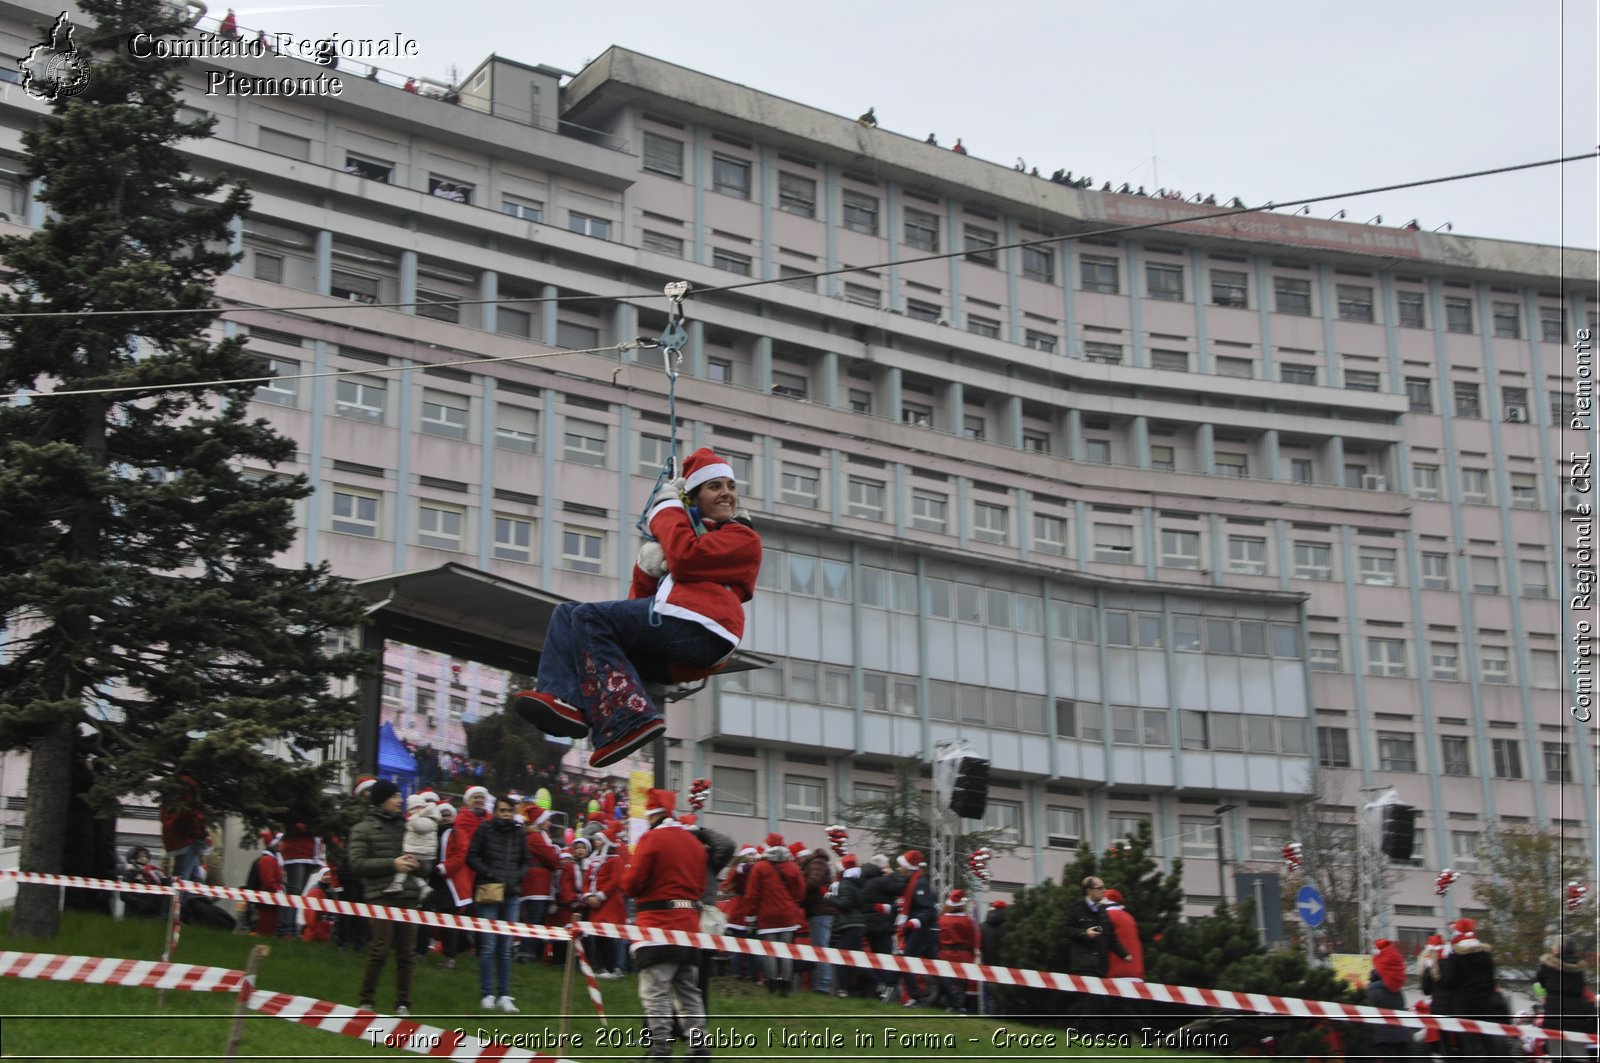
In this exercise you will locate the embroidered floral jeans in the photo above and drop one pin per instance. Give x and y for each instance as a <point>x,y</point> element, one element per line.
<point>598,655</point>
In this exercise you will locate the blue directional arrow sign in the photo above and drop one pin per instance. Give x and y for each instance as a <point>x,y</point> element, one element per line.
<point>1308,902</point>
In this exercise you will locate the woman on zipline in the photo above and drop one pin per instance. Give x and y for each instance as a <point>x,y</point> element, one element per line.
<point>684,617</point>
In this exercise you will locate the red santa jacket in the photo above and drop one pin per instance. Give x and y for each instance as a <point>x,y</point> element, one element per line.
<point>300,846</point>
<point>543,860</point>
<point>458,876</point>
<point>669,864</point>
<point>709,577</point>
<point>566,888</point>
<point>319,925</point>
<point>737,906</point>
<point>774,897</point>
<point>958,938</point>
<point>269,872</point>
<point>602,879</point>
<point>1127,931</point>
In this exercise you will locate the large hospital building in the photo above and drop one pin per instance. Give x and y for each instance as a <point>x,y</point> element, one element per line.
<point>1157,518</point>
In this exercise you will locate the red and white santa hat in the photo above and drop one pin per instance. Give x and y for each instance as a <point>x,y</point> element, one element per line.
<point>1464,928</point>
<point>429,796</point>
<point>847,861</point>
<point>956,901</point>
<point>270,838</point>
<point>911,860</point>
<point>363,784</point>
<point>544,816</point>
<point>659,801</point>
<point>749,850</point>
<point>474,791</point>
<point>704,465</point>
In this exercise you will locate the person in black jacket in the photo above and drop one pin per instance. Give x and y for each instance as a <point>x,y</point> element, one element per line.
<point>498,855</point>
<point>1090,942</point>
<point>880,893</point>
<point>1566,1003</point>
<point>992,947</point>
<point>1466,974</point>
<point>850,925</point>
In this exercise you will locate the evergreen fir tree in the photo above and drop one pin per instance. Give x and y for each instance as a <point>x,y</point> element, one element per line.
<point>136,571</point>
<point>902,819</point>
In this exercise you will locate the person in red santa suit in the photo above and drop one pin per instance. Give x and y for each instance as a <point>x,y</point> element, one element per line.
<point>603,902</point>
<point>666,879</point>
<point>543,862</point>
<point>267,875</point>
<point>682,620</point>
<point>474,813</point>
<point>958,943</point>
<point>774,891</point>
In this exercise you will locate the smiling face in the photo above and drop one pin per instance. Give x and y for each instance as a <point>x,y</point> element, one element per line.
<point>717,498</point>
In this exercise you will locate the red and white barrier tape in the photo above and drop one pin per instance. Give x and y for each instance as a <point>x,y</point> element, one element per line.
<point>1121,987</point>
<point>369,1026</point>
<point>589,979</point>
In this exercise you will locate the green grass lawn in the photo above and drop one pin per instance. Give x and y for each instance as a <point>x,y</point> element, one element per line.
<point>44,1020</point>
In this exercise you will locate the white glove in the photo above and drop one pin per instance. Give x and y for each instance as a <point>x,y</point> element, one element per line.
<point>652,559</point>
<point>671,491</point>
<point>899,921</point>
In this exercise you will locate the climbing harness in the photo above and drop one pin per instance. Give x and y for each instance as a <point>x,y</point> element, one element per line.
<point>672,341</point>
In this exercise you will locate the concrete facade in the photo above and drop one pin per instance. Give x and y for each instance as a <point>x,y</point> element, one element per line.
<point>1157,520</point>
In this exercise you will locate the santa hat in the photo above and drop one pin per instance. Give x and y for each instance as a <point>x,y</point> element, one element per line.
<point>998,904</point>
<point>542,817</point>
<point>316,879</point>
<point>446,806</point>
<point>774,840</point>
<point>429,796</point>
<point>956,901</point>
<point>704,465</point>
<point>847,861</point>
<point>658,802</point>
<point>1464,928</point>
<point>414,802</point>
<point>270,839</point>
<point>585,841</point>
<point>474,791</point>
<point>797,848</point>
<point>363,784</point>
<point>749,850</point>
<point>911,860</point>
<point>1380,944</point>
<point>566,854</point>
<point>1114,896</point>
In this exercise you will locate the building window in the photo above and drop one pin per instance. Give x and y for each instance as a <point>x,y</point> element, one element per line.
<point>1097,451</point>
<point>1063,827</point>
<point>1114,543</point>
<point>795,277</point>
<point>866,499</point>
<point>1103,353</point>
<point>1040,341</point>
<point>1425,482</point>
<point>1444,660</point>
<point>861,212</point>
<point>1386,657</point>
<point>1485,574</point>
<point>440,526</point>
<point>921,229</point>
<point>1230,288</point>
<point>803,799</point>
<point>1557,762</point>
<point>1005,819</point>
<point>279,391</point>
<point>979,244</point>
<point>1378,566</point>
<point>269,267</point>
<point>1397,751</point>
<point>928,511</point>
<point>916,414</point>
<point>588,225</point>
<point>1467,402</point>
<point>800,486</point>
<point>1355,302</point>
<point>1333,747</point>
<point>1507,756</point>
<point>1039,264</point>
<point>1035,442</point>
<point>663,155</point>
<point>1361,380</point>
<point>360,399</point>
<point>526,209</point>
<point>1553,324</point>
<point>439,305</point>
<point>1524,490</point>
<point>1533,579</point>
<point>918,310</point>
<point>1323,653</point>
<point>1230,463</point>
<point>862,295</point>
<point>1294,373</point>
<point>1419,394</point>
<point>515,428</point>
<point>661,243</point>
<point>791,385</point>
<point>513,538</point>
<point>1266,838</point>
<point>1180,549</point>
<point>1241,368</point>
<point>1455,754</point>
<point>1464,846</point>
<point>1163,458</point>
<point>1410,310</point>
<point>584,442</point>
<point>444,414</point>
<point>279,143</point>
<point>1507,320</point>
<point>653,454</point>
<point>576,337</point>
<point>797,194</point>
<point>983,326</point>
<point>719,370</point>
<point>1198,837</point>
<point>1301,470</point>
<point>860,401</point>
<point>1050,534</point>
<point>991,523</point>
<point>730,176</point>
<point>1172,361</point>
<point>1164,282</point>
<point>355,512</point>
<point>581,550</point>
<point>1458,314</point>
<point>1098,274</point>
<point>733,791</point>
<point>1435,571</point>
<point>1291,295</point>
<point>1493,665</point>
<point>1475,486</point>
<point>1247,555</point>
<point>730,261</point>
<point>1313,561</point>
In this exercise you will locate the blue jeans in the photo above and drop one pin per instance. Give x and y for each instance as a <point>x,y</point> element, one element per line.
<point>186,861</point>
<point>821,937</point>
<point>598,655</point>
<point>533,910</point>
<point>494,950</point>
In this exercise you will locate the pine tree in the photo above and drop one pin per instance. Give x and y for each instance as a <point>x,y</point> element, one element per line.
<point>136,570</point>
<point>901,820</point>
<point>516,755</point>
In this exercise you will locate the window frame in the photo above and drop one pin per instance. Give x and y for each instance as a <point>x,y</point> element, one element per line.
<point>730,175</point>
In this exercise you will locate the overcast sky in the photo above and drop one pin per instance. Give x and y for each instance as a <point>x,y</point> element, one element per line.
<point>1261,99</point>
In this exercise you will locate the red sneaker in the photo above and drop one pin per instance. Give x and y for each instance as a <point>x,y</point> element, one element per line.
<point>550,714</point>
<point>629,741</point>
